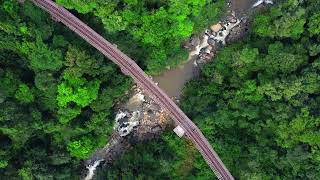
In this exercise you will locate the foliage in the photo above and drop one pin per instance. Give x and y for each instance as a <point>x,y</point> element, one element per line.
<point>81,149</point>
<point>157,27</point>
<point>56,96</point>
<point>25,174</point>
<point>83,6</point>
<point>24,94</point>
<point>8,84</point>
<point>314,24</point>
<point>166,158</point>
<point>286,20</point>
<point>41,57</point>
<point>257,103</point>
<point>75,90</point>
<point>3,163</point>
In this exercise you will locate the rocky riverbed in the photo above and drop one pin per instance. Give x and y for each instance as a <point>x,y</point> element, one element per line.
<point>205,47</point>
<point>140,119</point>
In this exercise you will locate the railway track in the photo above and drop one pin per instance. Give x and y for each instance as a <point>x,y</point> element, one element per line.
<point>129,67</point>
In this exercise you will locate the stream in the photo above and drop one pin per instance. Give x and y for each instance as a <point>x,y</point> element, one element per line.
<point>242,6</point>
<point>172,81</point>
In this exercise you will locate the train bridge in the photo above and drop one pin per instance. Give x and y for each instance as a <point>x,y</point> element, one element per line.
<point>130,68</point>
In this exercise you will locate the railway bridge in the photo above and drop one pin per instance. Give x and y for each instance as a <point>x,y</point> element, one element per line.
<point>130,68</point>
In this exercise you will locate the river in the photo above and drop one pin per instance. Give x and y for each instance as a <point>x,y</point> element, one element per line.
<point>172,81</point>
<point>242,6</point>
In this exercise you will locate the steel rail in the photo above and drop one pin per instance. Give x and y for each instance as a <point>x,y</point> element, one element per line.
<point>131,68</point>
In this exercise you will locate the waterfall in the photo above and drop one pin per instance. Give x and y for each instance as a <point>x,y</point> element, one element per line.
<point>92,169</point>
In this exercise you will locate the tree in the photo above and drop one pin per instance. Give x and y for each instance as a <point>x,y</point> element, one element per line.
<point>283,60</point>
<point>82,6</point>
<point>152,25</point>
<point>41,57</point>
<point>314,24</point>
<point>75,90</point>
<point>81,149</point>
<point>25,174</point>
<point>8,85</point>
<point>257,102</point>
<point>38,67</point>
<point>3,164</point>
<point>278,24</point>
<point>24,94</point>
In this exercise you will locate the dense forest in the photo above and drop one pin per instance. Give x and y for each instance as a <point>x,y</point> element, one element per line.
<point>56,96</point>
<point>57,92</point>
<point>257,102</point>
<point>154,29</point>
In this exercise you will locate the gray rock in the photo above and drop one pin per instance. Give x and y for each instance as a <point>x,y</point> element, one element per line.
<point>195,41</point>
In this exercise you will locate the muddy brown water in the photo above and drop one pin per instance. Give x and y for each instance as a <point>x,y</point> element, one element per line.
<point>242,6</point>
<point>172,81</point>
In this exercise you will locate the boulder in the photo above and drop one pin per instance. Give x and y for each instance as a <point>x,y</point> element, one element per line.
<point>216,27</point>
